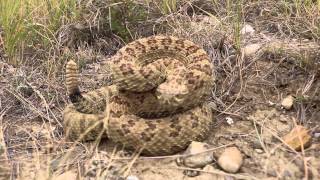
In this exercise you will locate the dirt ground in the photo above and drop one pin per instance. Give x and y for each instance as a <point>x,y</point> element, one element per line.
<point>246,102</point>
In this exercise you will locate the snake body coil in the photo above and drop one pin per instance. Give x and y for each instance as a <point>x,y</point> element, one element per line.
<point>157,101</point>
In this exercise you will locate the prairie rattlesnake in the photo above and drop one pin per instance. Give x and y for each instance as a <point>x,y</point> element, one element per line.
<point>157,101</point>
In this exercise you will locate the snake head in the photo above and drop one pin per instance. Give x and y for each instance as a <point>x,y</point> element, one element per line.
<point>172,95</point>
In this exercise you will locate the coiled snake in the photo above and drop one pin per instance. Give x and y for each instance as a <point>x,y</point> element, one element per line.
<point>157,101</point>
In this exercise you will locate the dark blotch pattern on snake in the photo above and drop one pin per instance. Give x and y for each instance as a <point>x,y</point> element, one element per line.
<point>157,101</point>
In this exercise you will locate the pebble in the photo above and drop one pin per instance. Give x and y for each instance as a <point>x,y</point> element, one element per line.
<point>259,151</point>
<point>198,160</point>
<point>293,140</point>
<point>247,29</point>
<point>191,173</point>
<point>209,172</point>
<point>207,175</point>
<point>229,120</point>
<point>287,102</point>
<point>209,168</point>
<point>316,135</point>
<point>67,175</point>
<point>2,65</point>
<point>25,90</point>
<point>230,160</point>
<point>250,49</point>
<point>2,146</point>
<point>131,177</point>
<point>272,172</point>
<point>286,174</point>
<point>256,144</point>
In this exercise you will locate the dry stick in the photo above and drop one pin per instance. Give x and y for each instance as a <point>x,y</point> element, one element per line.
<point>260,140</point>
<point>229,113</point>
<point>238,94</point>
<point>302,150</point>
<point>105,128</point>
<point>33,108</point>
<point>180,155</point>
<point>107,112</point>
<point>112,158</point>
<point>45,103</point>
<point>308,85</point>
<point>269,154</point>
<point>129,166</point>
<point>260,53</point>
<point>280,139</point>
<point>254,59</point>
<point>34,140</point>
<point>79,140</point>
<point>28,103</point>
<point>38,163</point>
<point>305,90</point>
<point>274,68</point>
<point>214,172</point>
<point>2,141</point>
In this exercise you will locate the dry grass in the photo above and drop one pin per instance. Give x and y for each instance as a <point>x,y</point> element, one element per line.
<point>39,36</point>
<point>30,26</point>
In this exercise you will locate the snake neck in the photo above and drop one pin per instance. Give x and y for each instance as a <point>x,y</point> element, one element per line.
<point>76,97</point>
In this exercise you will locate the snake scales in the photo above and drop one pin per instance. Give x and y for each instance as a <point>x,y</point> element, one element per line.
<point>157,101</point>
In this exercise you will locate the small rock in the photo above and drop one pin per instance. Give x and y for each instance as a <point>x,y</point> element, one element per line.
<point>191,173</point>
<point>272,172</point>
<point>256,144</point>
<point>2,65</point>
<point>196,157</point>
<point>259,151</point>
<point>197,160</point>
<point>5,168</point>
<point>25,90</point>
<point>11,70</point>
<point>209,168</point>
<point>132,177</point>
<point>250,49</point>
<point>209,172</point>
<point>2,149</point>
<point>287,102</point>
<point>293,138</point>
<point>67,175</point>
<point>229,120</point>
<point>316,135</point>
<point>231,160</point>
<point>247,29</point>
<point>287,174</point>
<point>283,118</point>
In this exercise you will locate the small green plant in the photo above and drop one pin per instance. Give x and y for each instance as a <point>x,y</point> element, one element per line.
<point>168,6</point>
<point>124,14</point>
<point>237,23</point>
<point>33,23</point>
<point>13,24</point>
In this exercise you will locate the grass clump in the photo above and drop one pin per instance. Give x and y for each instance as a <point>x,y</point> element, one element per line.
<point>168,6</point>
<point>32,24</point>
<point>13,24</point>
<point>123,15</point>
